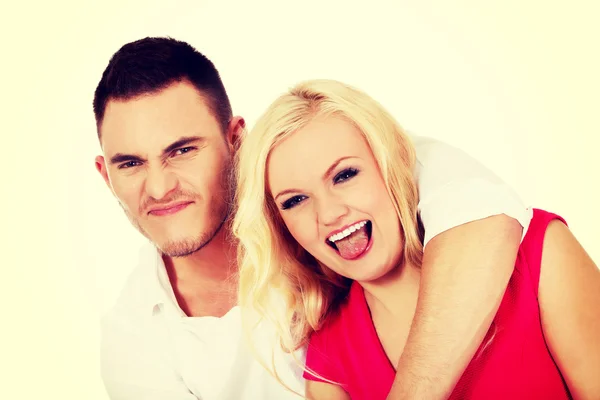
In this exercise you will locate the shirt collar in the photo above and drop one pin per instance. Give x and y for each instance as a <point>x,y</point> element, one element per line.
<point>157,290</point>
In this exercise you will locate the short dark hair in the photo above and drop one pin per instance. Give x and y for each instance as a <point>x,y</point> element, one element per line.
<point>151,64</point>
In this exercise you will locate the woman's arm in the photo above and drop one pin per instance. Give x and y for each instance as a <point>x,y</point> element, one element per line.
<point>569,297</point>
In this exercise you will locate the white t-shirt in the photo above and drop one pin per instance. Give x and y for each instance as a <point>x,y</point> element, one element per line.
<point>152,351</point>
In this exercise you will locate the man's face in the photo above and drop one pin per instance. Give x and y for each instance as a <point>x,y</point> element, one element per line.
<point>168,163</point>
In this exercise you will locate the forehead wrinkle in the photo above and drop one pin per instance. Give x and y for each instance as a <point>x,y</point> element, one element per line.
<point>173,112</point>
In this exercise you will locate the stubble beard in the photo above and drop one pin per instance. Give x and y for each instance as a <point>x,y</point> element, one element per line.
<point>222,208</point>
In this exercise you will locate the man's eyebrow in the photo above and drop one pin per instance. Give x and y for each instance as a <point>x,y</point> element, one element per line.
<point>183,141</point>
<point>120,157</point>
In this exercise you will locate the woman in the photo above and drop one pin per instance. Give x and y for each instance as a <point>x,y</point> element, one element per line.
<point>331,249</point>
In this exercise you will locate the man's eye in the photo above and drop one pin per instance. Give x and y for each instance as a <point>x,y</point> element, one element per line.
<point>344,175</point>
<point>292,202</point>
<point>183,150</point>
<point>129,164</point>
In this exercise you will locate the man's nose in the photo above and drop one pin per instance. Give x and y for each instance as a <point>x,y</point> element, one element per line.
<point>160,182</point>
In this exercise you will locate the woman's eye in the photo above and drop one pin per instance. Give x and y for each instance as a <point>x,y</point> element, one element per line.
<point>344,175</point>
<point>292,202</point>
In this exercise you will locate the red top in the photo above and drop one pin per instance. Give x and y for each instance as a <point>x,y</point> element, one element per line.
<point>516,364</point>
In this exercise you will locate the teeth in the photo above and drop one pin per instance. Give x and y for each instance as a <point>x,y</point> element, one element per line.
<point>346,232</point>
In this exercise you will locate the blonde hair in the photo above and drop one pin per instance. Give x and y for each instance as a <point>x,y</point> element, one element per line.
<point>280,281</point>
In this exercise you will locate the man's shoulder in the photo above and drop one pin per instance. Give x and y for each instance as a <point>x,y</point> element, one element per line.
<point>427,148</point>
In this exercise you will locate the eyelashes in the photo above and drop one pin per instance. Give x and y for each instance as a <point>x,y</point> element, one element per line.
<point>292,202</point>
<point>345,175</point>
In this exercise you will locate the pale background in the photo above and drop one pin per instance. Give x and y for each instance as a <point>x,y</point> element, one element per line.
<point>514,83</point>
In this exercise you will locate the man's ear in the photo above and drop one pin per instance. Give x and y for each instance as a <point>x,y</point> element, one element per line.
<point>101,168</point>
<point>235,133</point>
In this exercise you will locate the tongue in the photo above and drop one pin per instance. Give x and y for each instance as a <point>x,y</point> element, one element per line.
<point>354,245</point>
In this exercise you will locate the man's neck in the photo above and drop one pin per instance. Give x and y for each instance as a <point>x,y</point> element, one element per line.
<point>205,283</point>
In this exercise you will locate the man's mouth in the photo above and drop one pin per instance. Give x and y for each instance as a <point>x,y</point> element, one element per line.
<point>353,241</point>
<point>169,209</point>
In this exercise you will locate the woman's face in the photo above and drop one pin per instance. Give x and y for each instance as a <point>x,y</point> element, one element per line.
<point>332,198</point>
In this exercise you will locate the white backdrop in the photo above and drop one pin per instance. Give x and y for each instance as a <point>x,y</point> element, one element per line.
<point>514,83</point>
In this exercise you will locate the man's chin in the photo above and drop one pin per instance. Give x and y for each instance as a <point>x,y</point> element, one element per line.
<point>180,248</point>
<point>181,245</point>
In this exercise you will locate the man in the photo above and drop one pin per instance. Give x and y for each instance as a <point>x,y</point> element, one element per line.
<point>168,138</point>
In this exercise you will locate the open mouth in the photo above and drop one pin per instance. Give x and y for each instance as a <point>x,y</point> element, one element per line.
<point>353,241</point>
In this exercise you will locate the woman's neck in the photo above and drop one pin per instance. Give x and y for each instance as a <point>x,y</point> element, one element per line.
<point>396,292</point>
